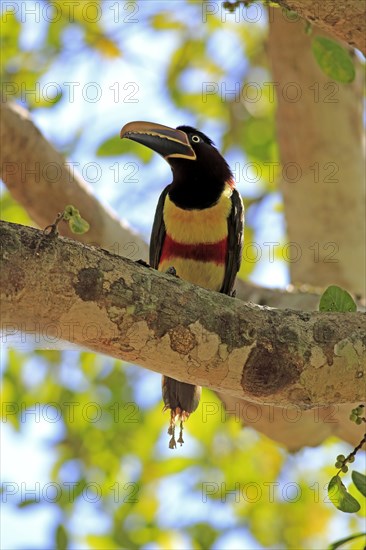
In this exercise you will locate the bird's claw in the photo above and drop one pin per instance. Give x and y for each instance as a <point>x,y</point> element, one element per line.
<point>181,440</point>
<point>172,271</point>
<point>171,430</point>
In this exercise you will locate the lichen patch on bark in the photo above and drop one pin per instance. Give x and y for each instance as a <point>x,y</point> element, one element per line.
<point>10,243</point>
<point>17,281</point>
<point>208,342</point>
<point>267,371</point>
<point>317,358</point>
<point>346,349</point>
<point>138,335</point>
<point>182,340</point>
<point>89,285</point>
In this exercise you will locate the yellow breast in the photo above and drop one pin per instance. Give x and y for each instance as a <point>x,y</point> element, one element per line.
<point>206,274</point>
<point>198,226</point>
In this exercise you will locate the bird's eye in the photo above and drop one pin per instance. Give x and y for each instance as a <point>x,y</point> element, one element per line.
<point>196,139</point>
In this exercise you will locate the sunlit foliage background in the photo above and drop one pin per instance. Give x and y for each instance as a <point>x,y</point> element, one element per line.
<point>90,430</point>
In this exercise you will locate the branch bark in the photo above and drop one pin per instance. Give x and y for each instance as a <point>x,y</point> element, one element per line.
<point>115,306</point>
<point>24,148</point>
<point>345,20</point>
<point>43,182</point>
<point>321,138</point>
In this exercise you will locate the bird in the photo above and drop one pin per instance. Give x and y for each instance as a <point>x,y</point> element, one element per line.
<point>197,232</point>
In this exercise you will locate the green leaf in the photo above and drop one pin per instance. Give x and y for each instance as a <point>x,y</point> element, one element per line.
<point>78,225</point>
<point>203,534</point>
<point>163,21</point>
<point>76,222</point>
<point>44,102</point>
<point>61,537</point>
<point>292,15</point>
<point>110,147</point>
<point>334,60</point>
<point>12,211</point>
<point>335,298</point>
<point>308,28</point>
<point>100,542</point>
<point>106,46</point>
<point>10,31</point>
<point>250,255</point>
<point>258,140</point>
<point>115,147</point>
<point>360,481</point>
<point>340,542</point>
<point>29,502</point>
<point>340,497</point>
<point>70,211</point>
<point>52,356</point>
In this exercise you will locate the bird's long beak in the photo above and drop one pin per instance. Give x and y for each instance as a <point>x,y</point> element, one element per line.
<point>168,142</point>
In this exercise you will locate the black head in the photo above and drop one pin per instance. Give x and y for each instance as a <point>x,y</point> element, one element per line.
<point>199,184</point>
<point>199,170</point>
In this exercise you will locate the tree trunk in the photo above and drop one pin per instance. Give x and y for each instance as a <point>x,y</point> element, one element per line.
<point>321,138</point>
<point>345,19</point>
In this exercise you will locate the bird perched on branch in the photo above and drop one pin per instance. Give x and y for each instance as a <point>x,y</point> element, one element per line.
<point>198,228</point>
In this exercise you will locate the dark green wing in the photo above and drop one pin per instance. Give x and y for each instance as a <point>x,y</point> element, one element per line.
<point>158,232</point>
<point>235,224</point>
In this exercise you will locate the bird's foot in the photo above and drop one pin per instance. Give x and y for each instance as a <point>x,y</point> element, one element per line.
<point>181,440</point>
<point>233,293</point>
<point>171,431</point>
<point>176,414</point>
<point>172,271</point>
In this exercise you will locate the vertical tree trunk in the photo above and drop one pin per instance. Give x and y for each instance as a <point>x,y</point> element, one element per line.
<point>320,133</point>
<point>321,140</point>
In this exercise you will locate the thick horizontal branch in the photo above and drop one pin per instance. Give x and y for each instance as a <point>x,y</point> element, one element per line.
<point>343,19</point>
<point>26,150</point>
<point>114,306</point>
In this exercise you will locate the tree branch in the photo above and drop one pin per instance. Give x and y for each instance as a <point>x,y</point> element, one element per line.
<point>43,182</point>
<point>24,148</point>
<point>345,20</point>
<point>115,306</point>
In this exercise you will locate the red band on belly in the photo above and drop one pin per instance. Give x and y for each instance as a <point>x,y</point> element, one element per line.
<point>212,252</point>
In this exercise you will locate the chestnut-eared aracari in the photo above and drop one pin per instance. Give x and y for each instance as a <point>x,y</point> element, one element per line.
<point>198,228</point>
